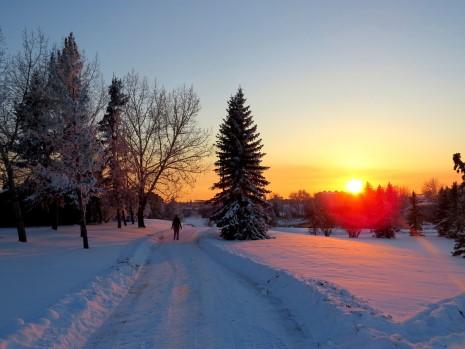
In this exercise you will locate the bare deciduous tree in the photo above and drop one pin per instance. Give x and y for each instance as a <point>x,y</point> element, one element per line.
<point>430,189</point>
<point>165,144</point>
<point>15,77</point>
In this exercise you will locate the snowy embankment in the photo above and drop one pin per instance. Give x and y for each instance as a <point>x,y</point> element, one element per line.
<point>306,280</point>
<point>54,293</point>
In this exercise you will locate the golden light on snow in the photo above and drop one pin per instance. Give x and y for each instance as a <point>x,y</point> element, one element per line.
<point>354,186</point>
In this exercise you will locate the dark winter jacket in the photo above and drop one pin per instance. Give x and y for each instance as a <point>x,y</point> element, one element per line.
<point>176,223</point>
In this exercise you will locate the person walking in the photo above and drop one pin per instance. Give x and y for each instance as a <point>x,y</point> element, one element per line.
<point>176,226</point>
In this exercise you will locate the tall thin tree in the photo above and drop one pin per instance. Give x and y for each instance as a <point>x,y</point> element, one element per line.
<point>111,131</point>
<point>414,217</point>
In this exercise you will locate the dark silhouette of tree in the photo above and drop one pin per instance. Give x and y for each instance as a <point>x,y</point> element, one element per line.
<point>441,220</point>
<point>459,226</point>
<point>414,217</point>
<point>321,216</point>
<point>388,204</point>
<point>430,189</point>
<point>241,209</point>
<point>115,149</point>
<point>16,73</point>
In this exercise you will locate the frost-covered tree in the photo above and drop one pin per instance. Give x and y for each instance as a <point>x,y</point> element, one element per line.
<point>241,210</point>
<point>115,149</point>
<point>37,144</point>
<point>78,152</point>
<point>16,73</point>
<point>414,217</point>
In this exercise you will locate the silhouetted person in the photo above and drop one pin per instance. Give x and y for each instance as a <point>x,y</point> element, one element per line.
<point>176,226</point>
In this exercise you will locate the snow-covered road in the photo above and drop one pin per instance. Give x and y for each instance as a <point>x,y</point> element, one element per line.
<point>184,299</point>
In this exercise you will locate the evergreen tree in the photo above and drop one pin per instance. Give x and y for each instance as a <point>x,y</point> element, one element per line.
<point>37,142</point>
<point>241,208</point>
<point>442,223</point>
<point>111,131</point>
<point>459,227</point>
<point>454,215</point>
<point>459,247</point>
<point>388,204</point>
<point>414,217</point>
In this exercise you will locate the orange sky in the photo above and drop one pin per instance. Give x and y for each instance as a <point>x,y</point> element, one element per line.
<point>285,179</point>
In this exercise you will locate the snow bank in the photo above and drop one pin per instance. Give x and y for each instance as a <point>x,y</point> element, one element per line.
<point>69,322</point>
<point>334,318</point>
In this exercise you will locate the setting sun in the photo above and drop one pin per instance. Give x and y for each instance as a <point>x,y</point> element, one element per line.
<point>354,186</point>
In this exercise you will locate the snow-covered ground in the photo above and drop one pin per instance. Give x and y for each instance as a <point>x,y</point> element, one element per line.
<point>51,284</point>
<point>184,299</point>
<point>136,288</point>
<point>399,277</point>
<point>348,293</point>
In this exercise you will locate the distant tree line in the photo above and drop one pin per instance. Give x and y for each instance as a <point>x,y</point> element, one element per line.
<point>79,152</point>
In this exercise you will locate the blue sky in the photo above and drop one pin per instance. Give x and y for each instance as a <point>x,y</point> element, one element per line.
<point>359,87</point>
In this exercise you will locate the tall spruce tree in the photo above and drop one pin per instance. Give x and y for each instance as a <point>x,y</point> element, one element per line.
<point>414,217</point>
<point>111,132</point>
<point>241,209</point>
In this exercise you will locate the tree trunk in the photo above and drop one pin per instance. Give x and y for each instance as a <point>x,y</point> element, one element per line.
<point>99,211</point>
<point>82,221</point>
<point>55,214</point>
<point>124,217</point>
<point>140,213</point>
<point>118,217</point>
<point>131,214</point>
<point>16,204</point>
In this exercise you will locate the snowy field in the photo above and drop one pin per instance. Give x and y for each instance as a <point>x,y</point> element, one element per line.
<point>400,277</point>
<point>139,289</point>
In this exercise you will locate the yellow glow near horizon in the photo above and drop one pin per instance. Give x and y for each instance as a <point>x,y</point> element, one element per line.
<point>354,186</point>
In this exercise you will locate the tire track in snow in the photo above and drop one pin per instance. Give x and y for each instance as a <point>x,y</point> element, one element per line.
<point>184,299</point>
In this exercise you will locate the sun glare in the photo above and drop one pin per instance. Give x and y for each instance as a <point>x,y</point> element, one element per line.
<point>354,186</point>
